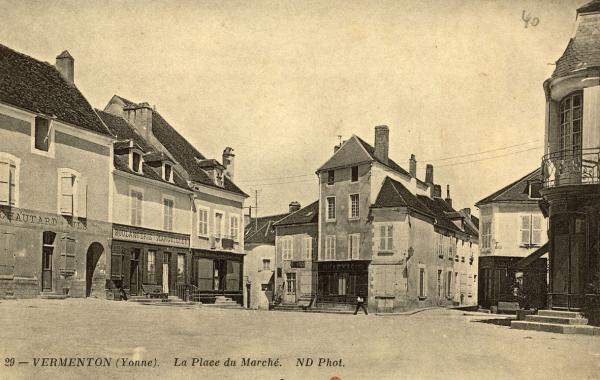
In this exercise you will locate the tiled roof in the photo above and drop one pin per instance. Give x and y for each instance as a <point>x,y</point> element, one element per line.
<point>123,130</point>
<point>261,230</point>
<point>515,192</point>
<point>394,194</point>
<point>438,208</point>
<point>38,87</point>
<point>475,220</point>
<point>185,154</point>
<point>583,50</point>
<point>306,215</point>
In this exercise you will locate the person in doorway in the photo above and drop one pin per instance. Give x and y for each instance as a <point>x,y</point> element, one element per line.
<point>360,303</point>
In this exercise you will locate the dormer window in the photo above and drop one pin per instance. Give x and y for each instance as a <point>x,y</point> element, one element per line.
<point>168,172</point>
<point>136,162</point>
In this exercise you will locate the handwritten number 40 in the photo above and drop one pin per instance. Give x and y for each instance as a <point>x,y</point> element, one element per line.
<point>527,18</point>
<point>9,362</point>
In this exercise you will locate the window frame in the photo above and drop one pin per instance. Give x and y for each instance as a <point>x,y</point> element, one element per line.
<point>330,177</point>
<point>327,218</point>
<point>151,274</point>
<point>530,230</point>
<point>387,237</point>
<point>164,172</point>
<point>565,128</point>
<point>235,235</point>
<point>308,248</point>
<point>132,155</point>
<point>330,249</point>
<point>50,153</point>
<point>486,236</point>
<point>352,177</point>
<point>222,226</point>
<point>351,215</point>
<point>140,191</point>
<point>76,179</point>
<point>422,282</point>
<point>13,187</point>
<point>200,208</point>
<point>164,212</point>
<point>352,247</point>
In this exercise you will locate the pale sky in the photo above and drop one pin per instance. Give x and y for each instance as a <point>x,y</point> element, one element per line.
<point>279,80</point>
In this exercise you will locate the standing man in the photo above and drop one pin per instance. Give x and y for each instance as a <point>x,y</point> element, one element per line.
<point>360,303</point>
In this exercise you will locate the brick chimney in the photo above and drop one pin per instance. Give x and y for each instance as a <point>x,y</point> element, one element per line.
<point>294,206</point>
<point>429,174</point>
<point>413,166</point>
<point>382,143</point>
<point>228,162</point>
<point>448,199</point>
<point>65,64</point>
<point>140,116</point>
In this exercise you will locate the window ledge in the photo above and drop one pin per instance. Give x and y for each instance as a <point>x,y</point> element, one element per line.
<point>385,253</point>
<point>354,218</point>
<point>422,298</point>
<point>330,220</point>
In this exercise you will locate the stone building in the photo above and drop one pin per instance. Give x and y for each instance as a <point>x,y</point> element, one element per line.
<point>215,263</point>
<point>512,227</point>
<point>55,182</point>
<point>151,215</point>
<point>387,235</point>
<point>259,262</point>
<point>297,236</point>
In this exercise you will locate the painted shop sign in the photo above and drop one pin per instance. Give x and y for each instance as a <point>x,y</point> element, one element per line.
<point>127,233</point>
<point>25,218</point>
<point>343,266</point>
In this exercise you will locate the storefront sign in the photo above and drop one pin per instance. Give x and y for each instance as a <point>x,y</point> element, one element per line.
<point>297,264</point>
<point>28,218</point>
<point>346,266</point>
<point>127,233</point>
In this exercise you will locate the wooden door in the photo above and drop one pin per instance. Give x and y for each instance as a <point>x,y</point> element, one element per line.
<point>134,273</point>
<point>47,254</point>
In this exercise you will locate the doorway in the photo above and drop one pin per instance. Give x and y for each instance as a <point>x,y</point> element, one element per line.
<point>567,261</point>
<point>92,256</point>
<point>166,271</point>
<point>134,272</point>
<point>290,288</point>
<point>47,260</point>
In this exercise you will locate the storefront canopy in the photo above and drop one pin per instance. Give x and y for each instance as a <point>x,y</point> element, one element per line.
<point>528,260</point>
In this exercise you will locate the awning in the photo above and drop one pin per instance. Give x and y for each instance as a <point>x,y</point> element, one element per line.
<point>528,260</point>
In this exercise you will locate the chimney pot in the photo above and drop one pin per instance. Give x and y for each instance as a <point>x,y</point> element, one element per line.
<point>382,143</point>
<point>429,174</point>
<point>413,166</point>
<point>228,161</point>
<point>448,199</point>
<point>294,206</point>
<point>65,64</point>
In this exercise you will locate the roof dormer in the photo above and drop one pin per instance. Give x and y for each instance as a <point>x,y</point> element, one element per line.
<point>133,152</point>
<point>213,169</point>
<point>162,164</point>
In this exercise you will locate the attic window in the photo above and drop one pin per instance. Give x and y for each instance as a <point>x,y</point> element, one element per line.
<point>330,177</point>
<point>42,134</point>
<point>136,160</point>
<point>168,173</point>
<point>534,190</point>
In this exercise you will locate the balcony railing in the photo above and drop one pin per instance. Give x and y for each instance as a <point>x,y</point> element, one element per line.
<point>571,167</point>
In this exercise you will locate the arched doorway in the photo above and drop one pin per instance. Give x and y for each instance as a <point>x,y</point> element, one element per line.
<point>94,253</point>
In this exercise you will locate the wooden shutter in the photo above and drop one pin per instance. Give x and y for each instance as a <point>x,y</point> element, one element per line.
<point>525,225</point>
<point>68,255</point>
<point>7,256</point>
<point>81,211</point>
<point>116,263</point>
<point>66,193</point>
<point>536,229</point>
<point>5,182</point>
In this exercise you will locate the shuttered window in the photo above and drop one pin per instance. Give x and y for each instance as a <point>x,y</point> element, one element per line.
<point>531,230</point>
<point>67,255</point>
<point>353,245</point>
<point>7,255</point>
<point>116,264</point>
<point>136,207</point>
<point>8,183</point>
<point>386,237</point>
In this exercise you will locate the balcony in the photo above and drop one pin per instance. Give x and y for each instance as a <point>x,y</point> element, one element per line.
<point>571,167</point>
<point>219,241</point>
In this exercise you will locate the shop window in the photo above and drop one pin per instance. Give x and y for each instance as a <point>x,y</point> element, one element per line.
<point>151,266</point>
<point>9,180</point>
<point>7,254</point>
<point>67,255</point>
<point>168,213</point>
<point>181,268</point>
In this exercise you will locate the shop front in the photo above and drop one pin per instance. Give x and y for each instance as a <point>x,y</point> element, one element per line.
<point>217,274</point>
<point>142,259</point>
<point>50,254</point>
<point>340,282</point>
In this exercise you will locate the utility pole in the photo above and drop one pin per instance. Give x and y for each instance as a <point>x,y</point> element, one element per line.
<point>256,208</point>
